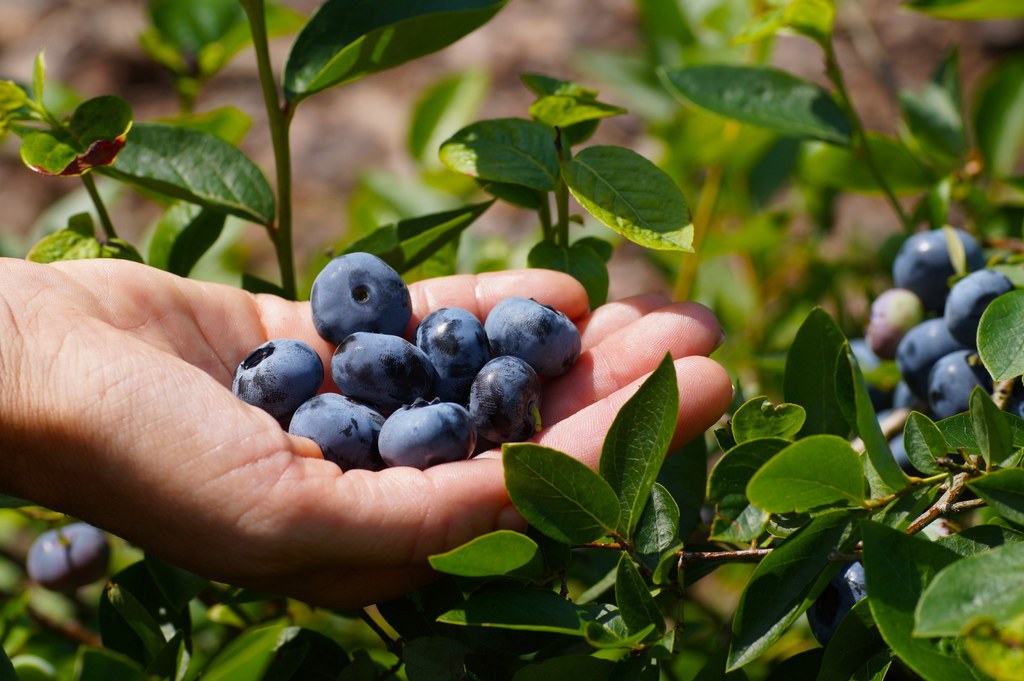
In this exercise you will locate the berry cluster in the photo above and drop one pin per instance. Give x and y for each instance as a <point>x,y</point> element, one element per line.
<point>930,328</point>
<point>458,386</point>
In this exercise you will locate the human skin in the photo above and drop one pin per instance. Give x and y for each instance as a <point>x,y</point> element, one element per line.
<point>116,409</point>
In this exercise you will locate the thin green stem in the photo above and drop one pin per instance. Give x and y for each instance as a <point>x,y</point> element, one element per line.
<point>545,218</point>
<point>859,134</point>
<point>561,196</point>
<point>279,119</point>
<point>101,209</point>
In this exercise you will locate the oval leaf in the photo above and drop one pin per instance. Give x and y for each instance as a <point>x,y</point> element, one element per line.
<point>735,518</point>
<point>1004,492</point>
<point>999,116</point>
<point>762,96</point>
<point>581,260</point>
<point>758,417</point>
<point>632,196</point>
<point>818,470</point>
<point>497,553</point>
<point>637,606</point>
<point>348,39</point>
<point>826,165</point>
<point>527,608</point>
<point>969,10</point>
<point>196,167</point>
<point>924,443</point>
<point>508,150</point>
<point>559,495</point>
<point>810,378</point>
<point>1000,343</point>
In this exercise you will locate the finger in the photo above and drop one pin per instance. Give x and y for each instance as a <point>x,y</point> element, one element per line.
<point>682,329</point>
<point>615,315</point>
<point>705,391</point>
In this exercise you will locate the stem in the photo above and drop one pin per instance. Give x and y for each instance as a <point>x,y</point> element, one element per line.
<point>561,196</point>
<point>944,505</point>
<point>101,210</point>
<point>279,119</point>
<point>744,556</point>
<point>545,218</point>
<point>859,137</point>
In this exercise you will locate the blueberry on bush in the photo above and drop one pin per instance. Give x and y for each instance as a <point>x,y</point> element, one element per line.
<point>504,400</point>
<point>893,313</point>
<point>538,334</point>
<point>923,265</point>
<point>869,361</point>
<point>839,596</point>
<point>359,292</point>
<point>346,430</point>
<point>920,349</point>
<point>456,344</point>
<point>278,376</point>
<point>951,381</point>
<point>69,557</point>
<point>967,301</point>
<point>424,434</point>
<point>382,370</point>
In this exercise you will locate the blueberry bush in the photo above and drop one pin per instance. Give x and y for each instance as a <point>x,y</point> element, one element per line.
<point>858,513</point>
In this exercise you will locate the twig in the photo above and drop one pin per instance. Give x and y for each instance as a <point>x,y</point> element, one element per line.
<point>943,506</point>
<point>70,630</point>
<point>744,556</point>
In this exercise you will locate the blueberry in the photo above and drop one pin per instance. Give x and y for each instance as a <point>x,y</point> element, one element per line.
<point>968,299</point>
<point>504,400</point>
<point>381,370</point>
<point>278,376</point>
<point>868,361</point>
<point>359,292</point>
<point>424,434</point>
<point>923,265</point>
<point>951,381</point>
<point>899,452</point>
<point>839,596</point>
<point>67,558</point>
<point>893,313</point>
<point>920,349</point>
<point>536,333</point>
<point>346,430</point>
<point>904,398</point>
<point>456,344</point>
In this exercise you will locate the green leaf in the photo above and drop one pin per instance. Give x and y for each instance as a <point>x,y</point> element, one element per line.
<point>968,10</point>
<point>856,639</point>
<point>1004,492</point>
<point>761,96</point>
<point>632,196</point>
<point>758,417</point>
<point>658,528</point>
<point>348,39</point>
<point>306,654</point>
<point>173,660</point>
<point>609,630</point>
<point>898,568</point>
<point>196,167</point>
<point>980,538</point>
<point>559,495</point>
<point>684,475</point>
<point>924,443</point>
<point>247,656</point>
<point>191,24</point>
<point>999,653</point>
<point>810,378</point>
<point>12,98</point>
<point>434,658</point>
<point>932,114</point>
<point>228,123</point>
<point>999,116</point>
<point>409,243</point>
<point>785,584</point>
<point>637,442</point>
<point>65,244</point>
<point>580,260</point>
<point>567,666</point>
<point>39,77</point>
<point>959,433</point>
<point>178,586</point>
<point>509,150</point>
<point>444,107</point>
<point>985,587</point>
<point>135,614</point>
<point>498,553</point>
<point>995,441</point>
<point>184,233</point>
<point>636,605</point>
<point>1000,345</point>
<point>93,138</point>
<point>7,672</point>
<point>819,470</point>
<point>99,664</point>
<point>736,519</point>
<point>563,111</point>
<point>526,608</point>
<point>828,166</point>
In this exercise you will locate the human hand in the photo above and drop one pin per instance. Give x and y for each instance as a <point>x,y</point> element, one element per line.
<point>116,409</point>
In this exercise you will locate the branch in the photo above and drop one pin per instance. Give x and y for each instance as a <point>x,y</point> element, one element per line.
<point>944,505</point>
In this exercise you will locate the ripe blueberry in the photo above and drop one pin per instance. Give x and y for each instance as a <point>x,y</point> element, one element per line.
<point>923,265</point>
<point>920,349</point>
<point>278,376</point>
<point>456,344</point>
<point>839,596</point>
<point>536,333</point>
<point>967,301</point>
<point>424,434</point>
<point>893,313</point>
<point>504,400</point>
<point>951,381</point>
<point>67,558</point>
<point>382,370</point>
<point>346,430</point>
<point>359,292</point>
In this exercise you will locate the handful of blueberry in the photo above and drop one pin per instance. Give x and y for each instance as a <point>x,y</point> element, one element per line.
<point>930,328</point>
<point>457,385</point>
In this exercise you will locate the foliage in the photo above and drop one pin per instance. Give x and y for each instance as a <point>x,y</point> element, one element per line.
<point>623,568</point>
